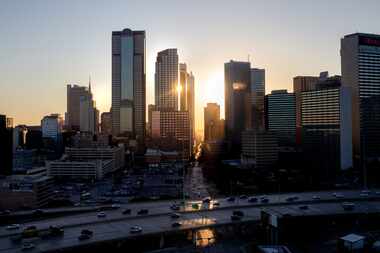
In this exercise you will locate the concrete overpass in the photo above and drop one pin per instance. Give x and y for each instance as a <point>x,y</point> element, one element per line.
<point>116,226</point>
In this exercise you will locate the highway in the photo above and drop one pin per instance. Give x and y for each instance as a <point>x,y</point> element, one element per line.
<point>116,225</point>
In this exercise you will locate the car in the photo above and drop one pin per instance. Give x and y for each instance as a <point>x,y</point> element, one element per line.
<point>176,224</point>
<point>13,226</point>
<point>135,229</point>
<point>38,212</point>
<point>143,212</point>
<point>252,200</point>
<point>87,232</point>
<point>56,231</point>
<point>174,207</point>
<point>238,213</point>
<point>83,237</point>
<point>235,217</point>
<point>28,246</point>
<point>231,199</point>
<point>126,211</point>
<point>30,231</point>
<point>316,197</point>
<point>243,197</point>
<point>206,200</point>
<point>289,199</point>
<point>101,215</point>
<point>348,206</point>
<point>264,200</point>
<point>175,215</point>
<point>115,206</point>
<point>216,203</point>
<point>305,207</point>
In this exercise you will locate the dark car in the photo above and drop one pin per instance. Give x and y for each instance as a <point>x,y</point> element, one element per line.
<point>38,212</point>
<point>143,212</point>
<point>175,215</point>
<point>238,213</point>
<point>84,237</point>
<point>126,211</point>
<point>231,199</point>
<point>87,232</point>
<point>303,207</point>
<point>243,197</point>
<point>235,217</point>
<point>252,200</point>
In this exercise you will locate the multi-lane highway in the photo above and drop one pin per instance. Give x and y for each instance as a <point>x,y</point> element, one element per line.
<point>117,225</point>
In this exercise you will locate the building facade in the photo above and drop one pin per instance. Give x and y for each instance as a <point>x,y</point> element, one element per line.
<point>258,98</point>
<point>75,94</point>
<point>281,116</point>
<point>51,126</point>
<point>128,84</point>
<point>5,147</point>
<point>171,130</point>
<point>327,131</point>
<point>237,100</point>
<point>166,80</point>
<point>106,123</point>
<point>259,149</point>
<point>213,127</point>
<point>360,63</point>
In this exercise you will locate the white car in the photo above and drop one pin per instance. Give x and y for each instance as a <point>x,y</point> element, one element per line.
<point>13,226</point>
<point>135,229</point>
<point>315,197</point>
<point>102,215</point>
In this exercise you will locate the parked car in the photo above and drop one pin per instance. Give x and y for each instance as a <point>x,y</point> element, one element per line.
<point>175,215</point>
<point>28,246</point>
<point>231,199</point>
<point>126,211</point>
<point>252,200</point>
<point>176,224</point>
<point>101,215</point>
<point>238,213</point>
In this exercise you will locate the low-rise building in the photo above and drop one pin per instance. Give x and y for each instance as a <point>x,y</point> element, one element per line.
<point>25,191</point>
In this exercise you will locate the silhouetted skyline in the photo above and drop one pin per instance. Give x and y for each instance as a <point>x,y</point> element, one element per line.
<point>46,45</point>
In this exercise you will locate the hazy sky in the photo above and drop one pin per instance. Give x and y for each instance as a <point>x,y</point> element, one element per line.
<point>46,44</point>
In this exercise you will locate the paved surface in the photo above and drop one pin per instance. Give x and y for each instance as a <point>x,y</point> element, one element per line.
<point>117,225</point>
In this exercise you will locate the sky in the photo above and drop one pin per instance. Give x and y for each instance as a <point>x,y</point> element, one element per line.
<point>47,44</point>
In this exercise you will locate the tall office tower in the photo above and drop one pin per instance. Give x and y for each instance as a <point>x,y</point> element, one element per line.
<point>74,95</point>
<point>183,89</point>
<point>89,115</point>
<point>327,131</point>
<point>166,80</point>
<point>191,104</point>
<point>106,123</point>
<point>237,100</point>
<point>360,62</point>
<point>19,136</point>
<point>301,84</point>
<point>128,84</point>
<point>51,126</point>
<point>171,131</point>
<point>258,97</point>
<point>280,116</point>
<point>5,147</point>
<point>212,123</point>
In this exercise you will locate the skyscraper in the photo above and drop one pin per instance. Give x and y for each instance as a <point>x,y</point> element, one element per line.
<point>183,86</point>
<point>166,80</point>
<point>258,97</point>
<point>281,116</point>
<point>212,123</point>
<point>301,84</point>
<point>128,84</point>
<point>106,123</point>
<point>75,94</point>
<point>360,63</point>
<point>327,132</point>
<point>237,97</point>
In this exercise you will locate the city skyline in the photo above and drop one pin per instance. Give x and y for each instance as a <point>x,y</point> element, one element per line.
<point>89,45</point>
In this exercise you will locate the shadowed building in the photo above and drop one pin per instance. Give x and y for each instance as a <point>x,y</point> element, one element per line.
<point>237,97</point>
<point>128,84</point>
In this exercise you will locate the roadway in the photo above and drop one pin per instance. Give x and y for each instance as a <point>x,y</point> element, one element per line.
<point>116,225</point>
